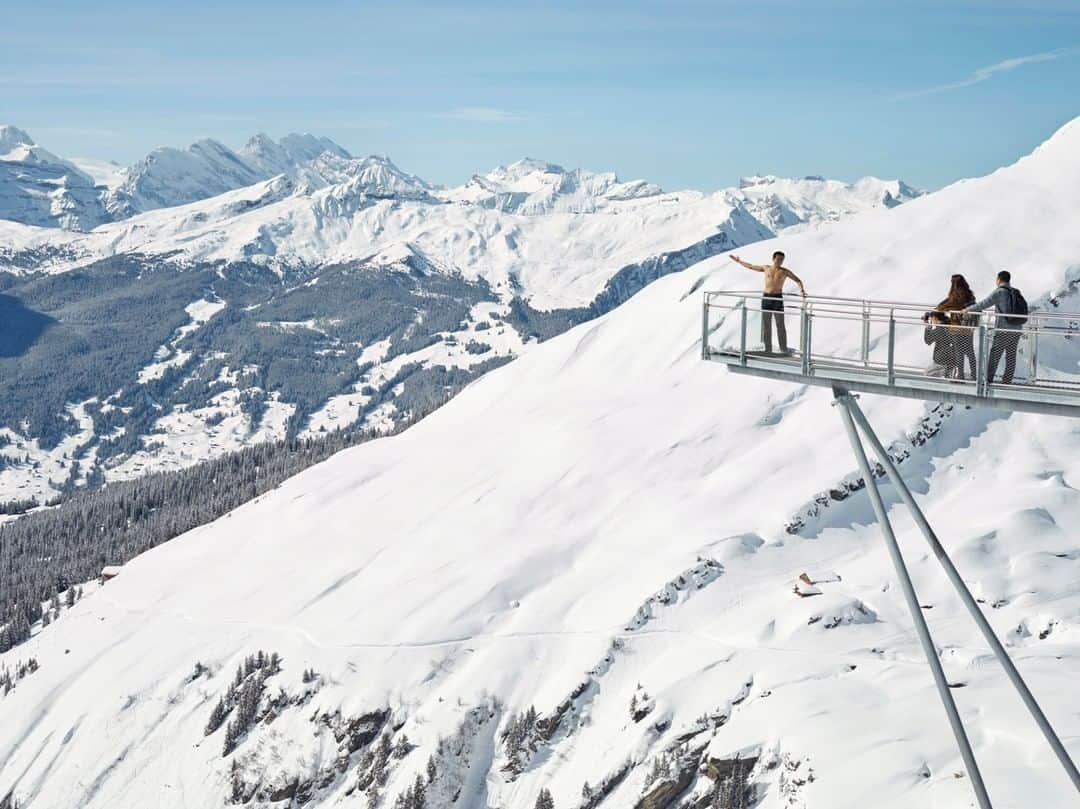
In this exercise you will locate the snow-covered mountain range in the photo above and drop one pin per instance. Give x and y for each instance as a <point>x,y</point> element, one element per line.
<point>576,578</point>
<point>186,326</point>
<point>553,235</point>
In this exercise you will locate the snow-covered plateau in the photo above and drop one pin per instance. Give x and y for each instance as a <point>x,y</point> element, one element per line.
<point>402,291</point>
<point>576,577</point>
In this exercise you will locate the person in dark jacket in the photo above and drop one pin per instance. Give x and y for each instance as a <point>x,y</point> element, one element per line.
<point>1006,336</point>
<point>937,334</point>
<point>961,326</point>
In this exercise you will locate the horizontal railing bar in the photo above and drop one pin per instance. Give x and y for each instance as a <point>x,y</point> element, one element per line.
<point>907,305</point>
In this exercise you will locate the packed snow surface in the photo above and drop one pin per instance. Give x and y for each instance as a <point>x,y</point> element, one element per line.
<point>601,521</point>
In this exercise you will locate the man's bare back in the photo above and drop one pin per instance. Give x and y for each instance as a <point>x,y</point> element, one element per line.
<point>775,274</point>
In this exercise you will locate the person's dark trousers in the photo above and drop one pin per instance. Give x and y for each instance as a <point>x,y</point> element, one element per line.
<point>772,308</point>
<point>964,347</point>
<point>1005,342</point>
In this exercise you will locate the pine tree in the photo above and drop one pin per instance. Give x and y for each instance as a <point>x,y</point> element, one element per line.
<point>432,770</point>
<point>544,799</point>
<point>419,792</point>
<point>230,739</point>
<point>217,716</point>
<point>237,779</point>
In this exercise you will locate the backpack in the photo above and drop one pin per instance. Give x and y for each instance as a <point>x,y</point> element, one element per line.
<point>1016,317</point>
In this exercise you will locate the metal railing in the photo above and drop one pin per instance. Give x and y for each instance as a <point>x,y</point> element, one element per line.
<point>890,345</point>
<point>890,342</point>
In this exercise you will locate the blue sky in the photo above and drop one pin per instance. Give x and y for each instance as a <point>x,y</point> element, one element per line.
<point>684,93</point>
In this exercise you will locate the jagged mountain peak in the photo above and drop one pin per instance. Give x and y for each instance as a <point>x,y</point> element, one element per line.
<point>305,146</point>
<point>289,153</point>
<point>530,165</point>
<point>11,137</point>
<point>530,186</point>
<point>39,188</point>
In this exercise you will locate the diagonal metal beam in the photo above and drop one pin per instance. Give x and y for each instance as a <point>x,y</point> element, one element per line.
<point>965,595</point>
<point>845,401</point>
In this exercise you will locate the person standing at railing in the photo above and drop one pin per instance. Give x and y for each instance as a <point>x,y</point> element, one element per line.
<point>772,299</point>
<point>1012,311</point>
<point>961,326</point>
<point>939,335</point>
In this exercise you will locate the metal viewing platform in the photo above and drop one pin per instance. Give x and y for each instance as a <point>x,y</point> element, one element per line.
<point>879,347</point>
<point>887,348</point>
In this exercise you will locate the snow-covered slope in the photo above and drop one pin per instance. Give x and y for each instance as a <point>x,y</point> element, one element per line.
<point>597,531</point>
<point>167,177</point>
<point>782,203</point>
<point>39,188</point>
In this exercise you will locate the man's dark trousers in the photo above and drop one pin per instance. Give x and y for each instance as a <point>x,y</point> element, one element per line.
<point>1006,341</point>
<point>772,309</point>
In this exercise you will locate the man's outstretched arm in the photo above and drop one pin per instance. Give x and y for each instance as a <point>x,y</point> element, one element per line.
<point>988,301</point>
<point>797,280</point>
<point>747,264</point>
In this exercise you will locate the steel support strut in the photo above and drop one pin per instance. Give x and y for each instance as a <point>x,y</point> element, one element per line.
<point>845,402</point>
<point>972,606</point>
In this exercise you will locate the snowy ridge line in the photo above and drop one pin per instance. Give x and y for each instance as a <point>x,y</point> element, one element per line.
<point>900,451</point>
<point>701,575</point>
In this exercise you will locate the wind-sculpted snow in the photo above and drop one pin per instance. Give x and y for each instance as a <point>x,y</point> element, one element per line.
<point>490,555</point>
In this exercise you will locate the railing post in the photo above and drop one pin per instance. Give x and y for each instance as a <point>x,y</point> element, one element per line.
<point>807,327</point>
<point>1033,355</point>
<point>742,333</point>
<point>891,372</point>
<point>705,328</point>
<point>865,334</point>
<point>981,360</point>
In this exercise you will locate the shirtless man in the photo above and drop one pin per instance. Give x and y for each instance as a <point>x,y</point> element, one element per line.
<point>772,301</point>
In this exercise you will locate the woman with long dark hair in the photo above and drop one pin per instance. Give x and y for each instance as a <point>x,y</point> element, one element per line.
<point>961,326</point>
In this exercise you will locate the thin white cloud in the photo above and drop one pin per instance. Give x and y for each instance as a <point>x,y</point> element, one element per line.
<point>985,73</point>
<point>483,115</point>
